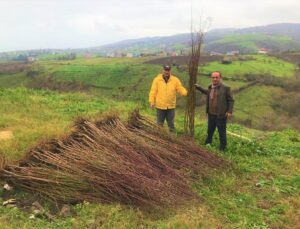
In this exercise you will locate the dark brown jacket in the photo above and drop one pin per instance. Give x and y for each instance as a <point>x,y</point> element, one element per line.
<point>225,99</point>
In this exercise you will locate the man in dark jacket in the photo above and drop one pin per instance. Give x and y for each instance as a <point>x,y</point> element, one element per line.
<point>219,106</point>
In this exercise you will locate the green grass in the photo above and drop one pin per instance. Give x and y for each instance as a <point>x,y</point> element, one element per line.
<point>256,102</point>
<point>109,75</point>
<point>262,65</point>
<point>34,114</point>
<point>259,189</point>
<point>252,42</point>
<point>126,79</point>
<point>13,80</point>
<point>130,79</point>
<point>205,81</point>
<point>254,107</point>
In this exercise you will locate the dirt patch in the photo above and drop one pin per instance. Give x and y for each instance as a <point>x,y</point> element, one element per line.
<point>183,60</point>
<point>49,83</point>
<point>290,57</point>
<point>5,135</point>
<point>13,67</point>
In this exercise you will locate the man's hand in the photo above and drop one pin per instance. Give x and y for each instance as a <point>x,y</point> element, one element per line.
<point>151,106</point>
<point>197,85</point>
<point>228,114</point>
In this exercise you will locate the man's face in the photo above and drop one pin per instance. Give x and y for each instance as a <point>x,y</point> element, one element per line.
<point>167,72</point>
<point>215,78</point>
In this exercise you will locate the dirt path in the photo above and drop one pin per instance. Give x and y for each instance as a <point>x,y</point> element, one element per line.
<point>4,135</point>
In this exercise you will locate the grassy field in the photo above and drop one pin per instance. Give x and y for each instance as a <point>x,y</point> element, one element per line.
<point>124,79</point>
<point>128,79</point>
<point>257,102</point>
<point>33,115</point>
<point>250,43</point>
<point>261,65</point>
<point>259,189</point>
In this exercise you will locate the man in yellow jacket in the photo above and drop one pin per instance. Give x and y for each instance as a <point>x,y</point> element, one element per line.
<point>163,96</point>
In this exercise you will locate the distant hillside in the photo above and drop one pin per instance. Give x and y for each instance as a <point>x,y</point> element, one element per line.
<point>277,37</point>
<point>148,42</point>
<point>291,30</point>
<point>249,43</point>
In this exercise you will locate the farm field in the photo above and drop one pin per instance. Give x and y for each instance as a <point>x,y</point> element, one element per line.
<point>259,188</point>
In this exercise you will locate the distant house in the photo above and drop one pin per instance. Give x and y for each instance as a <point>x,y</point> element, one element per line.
<point>119,54</point>
<point>226,60</point>
<point>110,55</point>
<point>88,55</point>
<point>136,55</point>
<point>233,53</point>
<point>148,54</point>
<point>31,59</point>
<point>263,51</point>
<point>129,55</point>
<point>212,53</point>
<point>115,54</point>
<point>162,53</point>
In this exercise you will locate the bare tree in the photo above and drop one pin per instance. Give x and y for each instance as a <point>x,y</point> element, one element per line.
<point>193,66</point>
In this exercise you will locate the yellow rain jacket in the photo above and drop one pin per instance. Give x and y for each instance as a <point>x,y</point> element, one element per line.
<point>163,95</point>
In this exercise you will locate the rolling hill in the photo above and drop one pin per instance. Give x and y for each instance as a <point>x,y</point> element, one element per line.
<point>277,37</point>
<point>258,189</point>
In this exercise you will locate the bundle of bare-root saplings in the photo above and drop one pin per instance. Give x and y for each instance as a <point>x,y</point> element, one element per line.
<point>134,162</point>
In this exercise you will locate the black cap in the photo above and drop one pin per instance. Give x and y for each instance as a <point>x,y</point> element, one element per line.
<point>167,67</point>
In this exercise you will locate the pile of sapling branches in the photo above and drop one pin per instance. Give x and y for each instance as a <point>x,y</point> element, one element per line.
<point>135,163</point>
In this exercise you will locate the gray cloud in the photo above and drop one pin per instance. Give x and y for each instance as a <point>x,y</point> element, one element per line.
<point>33,24</point>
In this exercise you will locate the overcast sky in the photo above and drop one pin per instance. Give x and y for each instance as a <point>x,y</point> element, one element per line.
<point>36,24</point>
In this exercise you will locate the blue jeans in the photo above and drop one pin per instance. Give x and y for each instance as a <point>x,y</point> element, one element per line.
<point>168,114</point>
<point>220,123</point>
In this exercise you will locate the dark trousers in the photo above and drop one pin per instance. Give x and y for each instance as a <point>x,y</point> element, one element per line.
<point>168,114</point>
<point>220,123</point>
